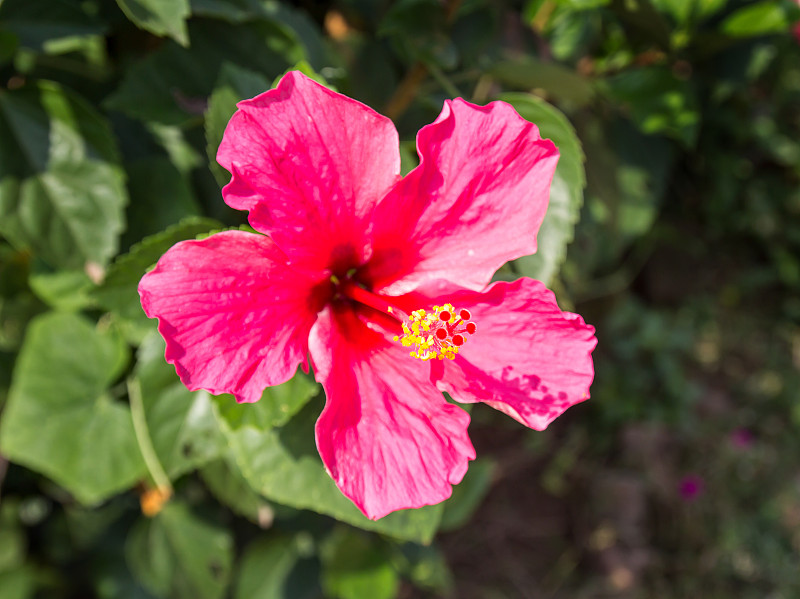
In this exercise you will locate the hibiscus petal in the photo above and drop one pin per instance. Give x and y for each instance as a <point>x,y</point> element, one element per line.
<point>527,359</point>
<point>310,165</point>
<point>475,201</point>
<point>387,437</point>
<point>235,317</point>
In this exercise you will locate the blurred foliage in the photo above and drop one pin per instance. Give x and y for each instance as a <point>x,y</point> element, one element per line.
<point>678,123</point>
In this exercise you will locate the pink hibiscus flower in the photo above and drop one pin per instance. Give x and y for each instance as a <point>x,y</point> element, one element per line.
<point>383,281</point>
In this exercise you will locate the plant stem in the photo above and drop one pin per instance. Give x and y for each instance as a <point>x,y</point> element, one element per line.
<point>154,466</point>
<point>406,91</point>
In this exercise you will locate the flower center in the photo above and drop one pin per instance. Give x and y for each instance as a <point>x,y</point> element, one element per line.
<point>439,333</point>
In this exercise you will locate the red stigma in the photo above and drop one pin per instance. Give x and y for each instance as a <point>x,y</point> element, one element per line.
<point>439,333</point>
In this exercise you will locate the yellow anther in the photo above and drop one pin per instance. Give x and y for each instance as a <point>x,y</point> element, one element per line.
<point>439,333</point>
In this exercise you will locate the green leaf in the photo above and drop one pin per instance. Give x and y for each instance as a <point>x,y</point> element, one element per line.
<point>706,8</point>
<point>679,10</point>
<point>226,483</point>
<point>68,215</point>
<point>275,408</point>
<point>60,418</point>
<point>61,191</point>
<point>19,583</point>
<point>266,565</point>
<point>178,146</point>
<point>571,32</point>
<point>685,11</point>
<point>15,313</point>
<point>161,17</point>
<point>12,537</point>
<point>304,29</point>
<point>658,102</point>
<point>578,5</point>
<point>160,197</point>
<point>179,555</point>
<point>283,465</point>
<point>234,11</point>
<point>171,85</point>
<point>181,423</point>
<point>88,525</point>
<point>50,125</point>
<point>566,193</point>
<point>17,304</point>
<point>628,173</point>
<point>425,566</point>
<point>528,72</point>
<point>6,366</point>
<point>118,292</point>
<point>417,32</point>
<point>8,46</point>
<point>36,23</point>
<point>235,84</point>
<point>761,18</point>
<point>63,290</point>
<point>468,495</point>
<point>304,67</point>
<point>357,566</point>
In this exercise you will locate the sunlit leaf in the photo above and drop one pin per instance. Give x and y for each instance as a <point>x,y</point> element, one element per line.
<point>357,566</point>
<point>61,191</point>
<point>276,406</point>
<point>658,102</point>
<point>283,465</point>
<point>760,18</point>
<point>162,17</point>
<point>60,418</point>
<point>19,583</point>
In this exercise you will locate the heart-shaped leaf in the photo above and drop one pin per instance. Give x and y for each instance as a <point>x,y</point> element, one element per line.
<point>61,419</point>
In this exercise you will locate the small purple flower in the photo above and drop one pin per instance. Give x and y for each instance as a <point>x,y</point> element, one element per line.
<point>691,487</point>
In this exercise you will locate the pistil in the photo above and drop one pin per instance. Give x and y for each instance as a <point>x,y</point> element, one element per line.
<point>355,292</point>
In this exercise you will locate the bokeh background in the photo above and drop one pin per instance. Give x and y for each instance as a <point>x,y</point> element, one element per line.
<point>673,229</point>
